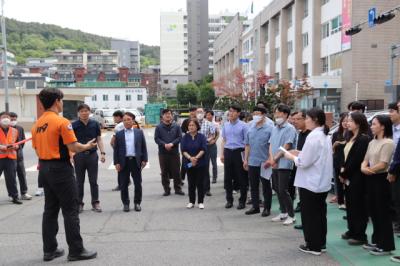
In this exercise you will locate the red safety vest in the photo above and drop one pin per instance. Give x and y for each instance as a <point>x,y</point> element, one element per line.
<point>11,138</point>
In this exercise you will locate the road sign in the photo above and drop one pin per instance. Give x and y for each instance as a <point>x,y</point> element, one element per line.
<point>388,82</point>
<point>371,17</point>
<point>244,60</point>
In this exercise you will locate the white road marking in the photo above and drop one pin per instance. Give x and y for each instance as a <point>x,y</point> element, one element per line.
<point>33,168</point>
<point>150,134</point>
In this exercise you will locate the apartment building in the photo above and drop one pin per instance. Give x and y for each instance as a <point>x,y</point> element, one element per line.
<point>129,54</point>
<point>173,51</point>
<point>292,39</point>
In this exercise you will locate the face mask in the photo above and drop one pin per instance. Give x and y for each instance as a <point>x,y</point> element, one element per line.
<point>200,116</point>
<point>257,118</point>
<point>5,121</point>
<point>279,121</point>
<point>13,123</point>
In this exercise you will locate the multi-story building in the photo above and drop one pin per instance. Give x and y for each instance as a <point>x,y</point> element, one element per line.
<point>290,39</point>
<point>129,54</point>
<point>43,63</point>
<point>173,51</point>
<point>103,60</point>
<point>11,62</point>
<point>198,45</point>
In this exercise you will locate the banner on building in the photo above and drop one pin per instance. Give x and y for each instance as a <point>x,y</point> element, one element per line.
<point>346,24</point>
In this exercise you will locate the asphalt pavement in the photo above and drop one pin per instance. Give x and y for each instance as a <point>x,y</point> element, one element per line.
<point>164,233</point>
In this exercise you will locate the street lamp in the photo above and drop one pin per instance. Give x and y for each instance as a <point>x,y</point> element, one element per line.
<point>4,47</point>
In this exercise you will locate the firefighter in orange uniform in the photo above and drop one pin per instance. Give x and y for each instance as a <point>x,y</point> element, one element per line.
<point>8,155</point>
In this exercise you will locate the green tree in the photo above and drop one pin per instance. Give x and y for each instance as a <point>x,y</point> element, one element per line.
<point>206,95</point>
<point>187,93</point>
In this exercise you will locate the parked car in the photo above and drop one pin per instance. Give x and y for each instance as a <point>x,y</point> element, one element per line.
<point>140,118</point>
<point>105,117</point>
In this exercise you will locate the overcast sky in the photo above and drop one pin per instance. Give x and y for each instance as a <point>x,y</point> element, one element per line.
<point>126,19</point>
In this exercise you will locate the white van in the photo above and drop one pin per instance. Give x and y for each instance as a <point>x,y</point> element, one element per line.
<point>105,117</point>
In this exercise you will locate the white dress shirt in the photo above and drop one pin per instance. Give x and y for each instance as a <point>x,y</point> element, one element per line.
<point>315,163</point>
<point>118,127</point>
<point>129,142</point>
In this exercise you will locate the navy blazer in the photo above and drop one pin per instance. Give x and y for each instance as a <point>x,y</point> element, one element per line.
<point>120,148</point>
<point>395,165</point>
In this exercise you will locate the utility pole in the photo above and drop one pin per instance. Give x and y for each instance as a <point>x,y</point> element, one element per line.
<point>393,55</point>
<point>4,46</point>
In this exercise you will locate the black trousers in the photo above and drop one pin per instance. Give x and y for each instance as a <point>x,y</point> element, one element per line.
<point>339,188</point>
<point>60,191</point>
<point>131,169</point>
<point>196,176</point>
<point>292,188</point>
<point>378,202</point>
<point>8,166</point>
<point>254,178</point>
<point>213,150</point>
<point>170,165</point>
<point>313,218</point>
<point>280,183</point>
<point>395,192</point>
<point>356,209</point>
<point>183,169</point>
<point>234,173</point>
<point>87,163</point>
<point>206,180</point>
<point>21,174</point>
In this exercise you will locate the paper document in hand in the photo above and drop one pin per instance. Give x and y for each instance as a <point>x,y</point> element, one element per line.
<point>283,149</point>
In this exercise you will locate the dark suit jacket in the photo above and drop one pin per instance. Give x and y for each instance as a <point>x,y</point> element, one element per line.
<point>120,148</point>
<point>352,166</point>
<point>395,165</point>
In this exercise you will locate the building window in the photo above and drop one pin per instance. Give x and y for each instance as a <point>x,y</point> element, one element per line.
<point>325,30</point>
<point>290,73</point>
<point>175,81</point>
<point>30,84</point>
<point>305,69</point>
<point>277,54</point>
<point>116,98</point>
<point>305,8</point>
<point>290,47</point>
<point>277,26</point>
<point>336,61</point>
<point>266,33</point>
<point>140,97</point>
<point>325,64</point>
<point>266,59</point>
<point>94,98</point>
<point>323,2</point>
<point>277,77</point>
<point>290,17</point>
<point>336,24</point>
<point>165,81</point>
<point>305,40</point>
<point>105,97</point>
<point>185,52</point>
<point>128,97</point>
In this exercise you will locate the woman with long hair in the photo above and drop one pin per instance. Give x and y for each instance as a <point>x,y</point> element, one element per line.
<point>313,178</point>
<point>338,141</point>
<point>354,181</point>
<point>375,167</point>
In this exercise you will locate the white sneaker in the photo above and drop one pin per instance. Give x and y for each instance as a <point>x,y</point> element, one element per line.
<point>201,206</point>
<point>26,196</point>
<point>342,207</point>
<point>190,205</point>
<point>39,192</point>
<point>289,220</point>
<point>280,217</point>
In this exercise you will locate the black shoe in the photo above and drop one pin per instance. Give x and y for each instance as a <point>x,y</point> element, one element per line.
<point>80,208</point>
<point>126,208</point>
<point>16,201</point>
<point>214,181</point>
<point>182,184</point>
<point>241,206</point>
<point>167,193</point>
<point>180,192</point>
<point>84,255</point>
<point>48,256</point>
<point>298,227</point>
<point>138,208</point>
<point>228,205</point>
<point>305,249</point>
<point>297,208</point>
<point>266,213</point>
<point>208,193</point>
<point>116,188</point>
<point>356,242</point>
<point>346,236</point>
<point>252,211</point>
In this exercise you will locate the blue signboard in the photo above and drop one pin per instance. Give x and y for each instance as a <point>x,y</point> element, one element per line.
<point>244,60</point>
<point>371,17</point>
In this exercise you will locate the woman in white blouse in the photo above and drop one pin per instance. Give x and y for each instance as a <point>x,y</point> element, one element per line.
<point>313,178</point>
